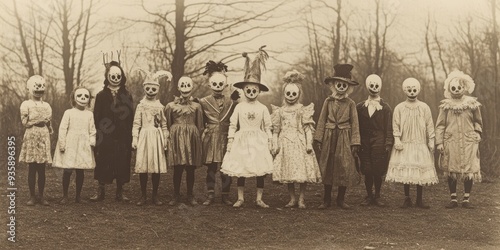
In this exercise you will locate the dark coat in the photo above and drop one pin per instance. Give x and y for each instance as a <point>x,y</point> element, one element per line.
<point>376,134</point>
<point>113,122</point>
<point>216,121</point>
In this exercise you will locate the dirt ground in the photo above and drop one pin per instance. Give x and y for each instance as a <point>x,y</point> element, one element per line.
<point>114,225</point>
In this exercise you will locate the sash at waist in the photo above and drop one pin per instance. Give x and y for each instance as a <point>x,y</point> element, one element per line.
<point>344,125</point>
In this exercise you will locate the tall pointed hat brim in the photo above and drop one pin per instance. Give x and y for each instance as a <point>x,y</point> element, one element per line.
<point>253,72</point>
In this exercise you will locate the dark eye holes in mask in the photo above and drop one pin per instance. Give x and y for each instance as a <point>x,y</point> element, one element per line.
<point>294,94</point>
<point>148,88</point>
<point>458,88</point>
<point>80,95</point>
<point>215,84</point>
<point>341,85</point>
<point>251,91</point>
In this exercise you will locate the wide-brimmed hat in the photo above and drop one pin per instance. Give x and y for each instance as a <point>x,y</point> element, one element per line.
<point>253,72</point>
<point>342,73</point>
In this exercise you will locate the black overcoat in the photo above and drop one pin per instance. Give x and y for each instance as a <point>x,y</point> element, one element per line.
<point>113,118</point>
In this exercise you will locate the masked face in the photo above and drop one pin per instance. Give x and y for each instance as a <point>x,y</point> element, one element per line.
<point>151,90</point>
<point>339,87</point>
<point>292,92</point>
<point>114,76</point>
<point>411,87</point>
<point>36,85</point>
<point>82,97</point>
<point>251,91</point>
<point>185,86</point>
<point>373,84</point>
<point>456,88</point>
<point>217,82</point>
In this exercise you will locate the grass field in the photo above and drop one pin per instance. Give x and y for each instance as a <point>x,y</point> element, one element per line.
<point>113,225</point>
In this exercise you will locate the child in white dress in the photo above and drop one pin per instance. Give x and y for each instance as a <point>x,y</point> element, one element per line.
<point>35,117</point>
<point>249,137</point>
<point>77,137</point>
<point>149,137</point>
<point>412,160</point>
<point>293,127</point>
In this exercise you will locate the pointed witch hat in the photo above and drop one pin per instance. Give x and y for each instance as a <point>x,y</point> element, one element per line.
<point>253,72</point>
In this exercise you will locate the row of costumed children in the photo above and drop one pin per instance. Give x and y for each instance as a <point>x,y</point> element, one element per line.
<point>242,139</point>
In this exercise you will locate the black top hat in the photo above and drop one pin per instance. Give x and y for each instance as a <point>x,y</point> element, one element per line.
<point>342,73</point>
<point>252,74</point>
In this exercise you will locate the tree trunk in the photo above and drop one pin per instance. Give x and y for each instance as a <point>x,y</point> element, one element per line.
<point>178,61</point>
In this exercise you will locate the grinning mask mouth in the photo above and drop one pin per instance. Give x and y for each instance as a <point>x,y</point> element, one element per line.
<point>36,85</point>
<point>373,84</point>
<point>151,89</point>
<point>114,76</point>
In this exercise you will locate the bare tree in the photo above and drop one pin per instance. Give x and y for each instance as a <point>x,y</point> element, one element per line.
<point>191,30</point>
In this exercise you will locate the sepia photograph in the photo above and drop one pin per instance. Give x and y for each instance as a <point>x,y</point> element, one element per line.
<point>250,124</point>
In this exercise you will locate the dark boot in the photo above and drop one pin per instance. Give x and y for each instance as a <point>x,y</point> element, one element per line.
<point>226,200</point>
<point>141,201</point>
<point>119,193</point>
<point>327,197</point>
<point>175,200</point>
<point>452,204</point>
<point>467,205</point>
<point>156,201</point>
<point>407,203</point>
<point>210,199</point>
<point>99,196</point>
<point>367,201</point>
<point>341,197</point>
<point>64,200</point>
<point>31,201</point>
<point>43,201</point>
<point>191,200</point>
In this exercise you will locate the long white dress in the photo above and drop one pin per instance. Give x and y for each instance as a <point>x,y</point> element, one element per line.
<point>293,164</point>
<point>412,122</point>
<point>77,135</point>
<point>150,130</point>
<point>249,156</point>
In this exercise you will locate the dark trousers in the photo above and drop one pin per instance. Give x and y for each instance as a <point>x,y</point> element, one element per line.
<point>225,179</point>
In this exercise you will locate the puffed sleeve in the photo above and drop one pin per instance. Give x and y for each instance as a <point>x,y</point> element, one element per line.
<point>355,137</point>
<point>396,122</point>
<point>137,124</point>
<point>307,117</point>
<point>233,121</point>
<point>267,122</point>
<point>25,114</point>
<point>276,119</point>
<point>63,129</point>
<point>92,130</point>
<point>440,126</point>
<point>320,128</point>
<point>429,125</point>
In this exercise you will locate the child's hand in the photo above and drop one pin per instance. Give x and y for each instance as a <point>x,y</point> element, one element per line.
<point>355,150</point>
<point>270,146</point>
<point>398,145</point>
<point>431,146</point>
<point>440,148</point>
<point>134,143</point>
<point>229,144</point>
<point>317,144</point>
<point>388,148</point>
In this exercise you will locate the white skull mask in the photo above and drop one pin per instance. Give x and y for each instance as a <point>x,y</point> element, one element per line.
<point>339,87</point>
<point>411,87</point>
<point>151,89</point>
<point>292,93</point>
<point>456,88</point>
<point>82,97</point>
<point>373,84</point>
<point>114,76</point>
<point>185,86</point>
<point>217,82</point>
<point>251,91</point>
<point>36,85</point>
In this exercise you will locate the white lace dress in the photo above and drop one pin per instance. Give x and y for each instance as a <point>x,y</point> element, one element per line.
<point>412,122</point>
<point>249,155</point>
<point>293,164</point>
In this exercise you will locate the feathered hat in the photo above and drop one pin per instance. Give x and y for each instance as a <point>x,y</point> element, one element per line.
<point>253,72</point>
<point>212,67</point>
<point>342,73</point>
<point>293,77</point>
<point>153,78</point>
<point>460,76</point>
